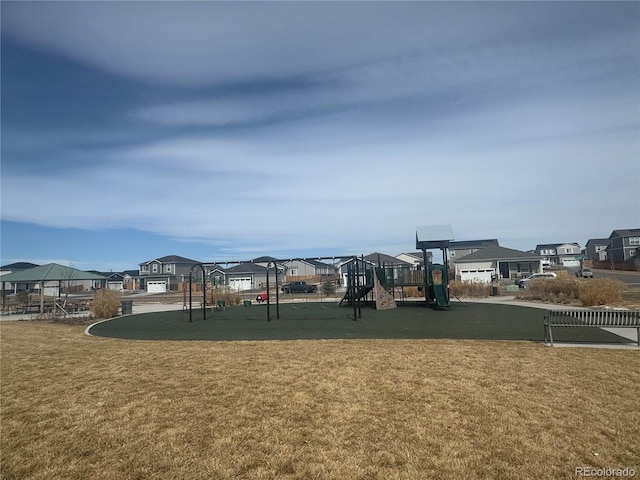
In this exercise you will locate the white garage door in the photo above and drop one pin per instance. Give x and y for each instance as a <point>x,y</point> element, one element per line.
<point>156,287</point>
<point>240,283</point>
<point>483,276</point>
<point>569,262</point>
<point>117,286</point>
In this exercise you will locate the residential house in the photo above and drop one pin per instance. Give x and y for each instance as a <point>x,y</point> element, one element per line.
<point>164,274</point>
<point>624,245</point>
<point>596,249</point>
<point>462,248</point>
<point>114,280</point>
<point>345,265</point>
<point>307,269</point>
<point>415,259</point>
<point>395,270</point>
<point>249,276</point>
<point>13,268</point>
<point>560,254</point>
<point>496,262</point>
<point>216,274</point>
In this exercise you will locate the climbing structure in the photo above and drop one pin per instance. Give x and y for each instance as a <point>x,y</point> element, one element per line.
<point>384,300</point>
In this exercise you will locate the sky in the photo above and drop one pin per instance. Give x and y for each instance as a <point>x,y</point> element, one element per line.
<point>224,131</point>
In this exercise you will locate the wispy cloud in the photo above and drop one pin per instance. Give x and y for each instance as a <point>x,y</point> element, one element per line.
<point>280,126</point>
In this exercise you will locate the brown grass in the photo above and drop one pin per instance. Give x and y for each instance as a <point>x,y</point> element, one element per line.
<point>76,407</point>
<point>105,303</point>
<point>583,291</point>
<point>469,289</point>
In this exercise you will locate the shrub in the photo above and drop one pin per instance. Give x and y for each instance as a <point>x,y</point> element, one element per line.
<point>230,297</point>
<point>23,296</point>
<point>105,303</point>
<point>601,291</point>
<point>469,289</point>
<point>563,289</point>
<point>413,292</point>
<point>329,288</point>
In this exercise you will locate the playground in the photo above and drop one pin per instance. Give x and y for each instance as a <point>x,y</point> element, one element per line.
<point>317,320</point>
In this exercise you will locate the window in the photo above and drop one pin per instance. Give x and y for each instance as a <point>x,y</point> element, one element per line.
<point>632,253</point>
<point>634,240</point>
<point>154,269</point>
<point>144,268</point>
<point>293,271</point>
<point>453,253</point>
<point>167,269</point>
<point>568,250</point>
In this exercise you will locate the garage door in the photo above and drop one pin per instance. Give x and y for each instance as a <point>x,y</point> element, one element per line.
<point>117,286</point>
<point>483,276</point>
<point>156,287</point>
<point>240,283</point>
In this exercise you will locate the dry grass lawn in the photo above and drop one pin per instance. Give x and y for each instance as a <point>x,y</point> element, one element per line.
<point>76,407</point>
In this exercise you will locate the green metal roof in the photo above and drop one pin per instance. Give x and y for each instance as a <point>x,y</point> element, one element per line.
<point>50,272</point>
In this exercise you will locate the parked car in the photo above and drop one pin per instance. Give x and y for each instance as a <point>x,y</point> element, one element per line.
<point>584,273</point>
<point>525,282</point>
<point>299,287</point>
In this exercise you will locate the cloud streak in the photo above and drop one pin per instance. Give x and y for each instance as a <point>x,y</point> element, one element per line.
<point>318,126</point>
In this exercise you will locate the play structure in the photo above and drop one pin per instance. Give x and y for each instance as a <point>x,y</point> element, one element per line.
<point>367,283</point>
<point>436,278</point>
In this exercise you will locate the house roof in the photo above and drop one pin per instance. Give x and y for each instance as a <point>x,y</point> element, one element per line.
<point>554,245</point>
<point>14,267</point>
<point>265,258</point>
<point>246,267</point>
<point>631,232</point>
<point>462,244</point>
<point>382,258</point>
<point>494,252</point>
<point>51,271</point>
<point>172,259</point>
<point>598,241</point>
<point>309,261</point>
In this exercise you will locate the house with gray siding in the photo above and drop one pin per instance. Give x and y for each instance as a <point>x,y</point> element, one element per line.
<point>624,245</point>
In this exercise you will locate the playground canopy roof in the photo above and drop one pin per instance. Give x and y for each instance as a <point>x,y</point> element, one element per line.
<point>50,272</point>
<point>434,236</point>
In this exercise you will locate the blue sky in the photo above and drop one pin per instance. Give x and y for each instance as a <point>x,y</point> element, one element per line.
<point>224,131</point>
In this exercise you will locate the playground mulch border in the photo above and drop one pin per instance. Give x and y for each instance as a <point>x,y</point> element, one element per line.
<point>317,321</point>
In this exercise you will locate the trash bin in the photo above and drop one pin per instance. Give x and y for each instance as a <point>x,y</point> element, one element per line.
<point>247,303</point>
<point>494,290</point>
<point>127,307</point>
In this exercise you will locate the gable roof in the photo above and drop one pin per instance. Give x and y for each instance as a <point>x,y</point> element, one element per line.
<point>498,253</point>
<point>51,271</point>
<point>630,232</point>
<point>381,258</point>
<point>598,241</point>
<point>246,267</point>
<point>462,244</point>
<point>544,246</point>
<point>172,259</point>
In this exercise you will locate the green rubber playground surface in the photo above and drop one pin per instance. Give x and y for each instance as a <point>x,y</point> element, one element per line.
<point>315,321</point>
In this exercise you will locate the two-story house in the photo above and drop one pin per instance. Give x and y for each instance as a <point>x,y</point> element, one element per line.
<point>560,254</point>
<point>624,245</point>
<point>164,274</point>
<point>596,249</point>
